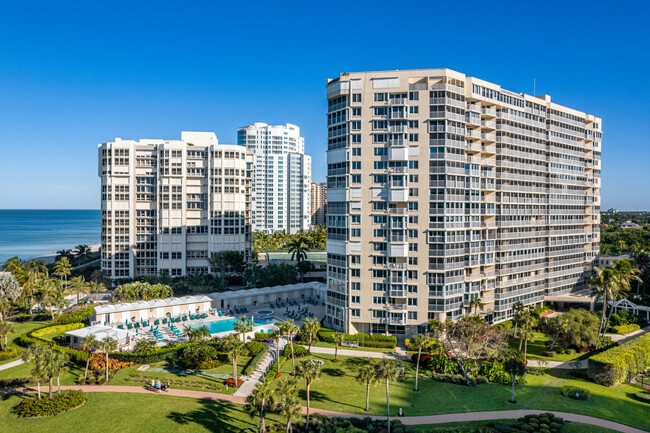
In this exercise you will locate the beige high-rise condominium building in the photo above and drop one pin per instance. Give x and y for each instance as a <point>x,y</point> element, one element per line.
<point>170,204</point>
<point>318,202</point>
<point>443,188</point>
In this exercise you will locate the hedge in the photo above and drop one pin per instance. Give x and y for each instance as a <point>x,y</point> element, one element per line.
<point>254,362</point>
<point>254,347</point>
<point>157,355</point>
<point>74,316</point>
<point>576,393</point>
<point>611,366</point>
<point>264,335</point>
<point>59,403</point>
<point>298,351</point>
<point>365,340</point>
<point>36,336</point>
<point>10,353</point>
<point>626,329</point>
<point>643,396</point>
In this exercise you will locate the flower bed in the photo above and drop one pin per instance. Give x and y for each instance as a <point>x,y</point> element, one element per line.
<point>643,396</point>
<point>60,403</point>
<point>576,393</point>
<point>11,352</point>
<point>231,382</point>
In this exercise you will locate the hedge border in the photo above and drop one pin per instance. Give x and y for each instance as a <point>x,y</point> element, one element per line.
<point>611,366</point>
<point>35,336</point>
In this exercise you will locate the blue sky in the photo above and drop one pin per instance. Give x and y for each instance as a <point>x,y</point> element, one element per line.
<point>75,74</point>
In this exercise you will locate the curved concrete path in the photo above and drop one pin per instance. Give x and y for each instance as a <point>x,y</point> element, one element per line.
<point>11,364</point>
<point>410,420</point>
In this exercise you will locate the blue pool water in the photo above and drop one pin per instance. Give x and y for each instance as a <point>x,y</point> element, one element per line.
<point>226,325</point>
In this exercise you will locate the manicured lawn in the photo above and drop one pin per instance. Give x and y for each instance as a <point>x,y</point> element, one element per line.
<point>121,412</point>
<point>68,377</point>
<point>340,392</point>
<point>537,347</point>
<point>572,427</point>
<point>20,329</point>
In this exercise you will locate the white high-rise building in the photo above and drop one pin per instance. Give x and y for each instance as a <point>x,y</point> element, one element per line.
<point>281,177</point>
<point>170,204</point>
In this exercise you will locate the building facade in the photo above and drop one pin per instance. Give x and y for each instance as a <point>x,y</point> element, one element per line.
<point>281,177</point>
<point>170,204</point>
<point>443,188</point>
<point>318,202</point>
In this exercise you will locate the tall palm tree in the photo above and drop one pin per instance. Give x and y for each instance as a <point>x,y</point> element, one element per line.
<point>624,272</point>
<point>13,265</point>
<point>476,303</point>
<point>526,333</point>
<point>386,369</point>
<point>37,353</point>
<point>82,250</point>
<point>517,308</point>
<point>289,407</point>
<point>289,329</point>
<point>235,348</point>
<point>243,326</point>
<point>89,344</point>
<point>367,376</point>
<point>277,337</point>
<point>604,283</point>
<point>6,328</point>
<point>144,347</point>
<point>63,269</point>
<point>338,340</point>
<point>515,368</point>
<point>258,400</point>
<point>310,327</point>
<point>298,248</point>
<point>420,341</point>
<point>558,325</point>
<point>53,363</point>
<point>107,345</point>
<point>78,286</point>
<point>310,372</point>
<point>526,322</point>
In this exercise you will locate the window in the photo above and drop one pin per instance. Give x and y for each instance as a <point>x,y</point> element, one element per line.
<point>355,272</point>
<point>355,125</point>
<point>380,111</point>
<point>356,219</point>
<point>381,165</point>
<point>414,137</point>
<point>413,165</point>
<point>413,123</point>
<point>413,315</point>
<point>412,302</point>
<point>414,96</point>
<point>355,260</point>
<point>355,233</point>
<point>413,192</point>
<point>412,288</point>
<point>356,151</point>
<point>355,299</point>
<point>381,97</point>
<point>379,287</point>
<point>413,247</point>
<point>381,151</point>
<point>355,285</point>
<point>414,109</point>
<point>356,111</point>
<point>413,205</point>
<point>379,178</point>
<point>412,275</point>
<point>356,178</point>
<point>355,138</point>
<point>356,165</point>
<point>356,97</point>
<point>378,300</point>
<point>355,312</point>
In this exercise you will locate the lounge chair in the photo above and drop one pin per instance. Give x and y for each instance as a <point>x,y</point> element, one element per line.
<point>204,315</point>
<point>184,318</point>
<point>164,321</point>
<point>130,325</point>
<point>121,326</point>
<point>137,325</point>
<point>156,322</point>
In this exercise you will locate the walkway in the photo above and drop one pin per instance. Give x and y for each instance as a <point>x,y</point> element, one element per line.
<point>11,364</point>
<point>556,364</point>
<point>409,420</point>
<point>627,337</point>
<point>360,353</point>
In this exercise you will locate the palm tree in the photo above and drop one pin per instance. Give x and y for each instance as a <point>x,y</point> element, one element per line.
<point>289,329</point>
<point>558,325</point>
<point>243,326</point>
<point>517,308</point>
<point>624,273</point>
<point>310,327</point>
<point>100,276</point>
<point>63,254</point>
<point>298,248</point>
<point>235,348</point>
<point>338,341</point>
<point>82,250</point>
<point>476,303</point>
<point>289,407</point>
<point>78,286</point>
<point>527,334</point>
<point>526,323</point>
<point>258,400</point>
<point>190,334</point>
<point>144,347</point>
<point>386,369</point>
<point>107,345</point>
<point>420,341</point>
<point>37,353</point>
<point>89,344</point>
<point>13,265</point>
<point>604,283</point>
<point>516,368</point>
<point>62,269</point>
<point>277,337</point>
<point>310,372</point>
<point>53,363</point>
<point>367,376</point>
<point>6,328</point>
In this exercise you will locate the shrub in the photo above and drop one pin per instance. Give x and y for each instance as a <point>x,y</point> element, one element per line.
<point>253,363</point>
<point>11,352</point>
<point>536,371</point>
<point>549,353</point>
<point>365,340</point>
<point>60,403</point>
<point>443,364</point>
<point>231,382</point>
<point>504,326</point>
<point>157,355</point>
<point>575,392</point>
<point>643,396</point>
<point>76,316</point>
<point>14,383</point>
<point>254,347</point>
<point>265,336</point>
<point>611,366</point>
<point>298,351</point>
<point>626,329</point>
<point>36,336</point>
<point>98,362</point>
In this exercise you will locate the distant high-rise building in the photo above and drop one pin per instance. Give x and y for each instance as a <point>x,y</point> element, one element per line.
<point>443,188</point>
<point>170,204</point>
<point>281,177</point>
<point>318,202</point>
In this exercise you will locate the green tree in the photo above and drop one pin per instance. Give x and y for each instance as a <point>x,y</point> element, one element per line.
<point>277,338</point>
<point>518,307</point>
<point>13,265</point>
<point>304,267</point>
<point>556,326</point>
<point>338,341</point>
<point>63,269</point>
<point>258,400</point>
<point>310,372</point>
<point>10,291</point>
<point>476,303</point>
<point>604,284</point>
<point>367,376</point>
<point>515,368</point>
<point>298,248</point>
<point>254,275</point>
<point>107,345</point>
<point>527,323</point>
<point>82,251</point>
<point>6,328</point>
<point>227,262</point>
<point>386,369</point>
<point>89,344</point>
<point>289,329</point>
<point>624,273</point>
<point>53,363</point>
<point>419,341</point>
<point>144,347</point>
<point>288,406</point>
<point>235,348</point>
<point>582,329</point>
<point>310,328</point>
<point>243,326</point>
<point>78,286</point>
<point>36,353</point>
<point>142,291</point>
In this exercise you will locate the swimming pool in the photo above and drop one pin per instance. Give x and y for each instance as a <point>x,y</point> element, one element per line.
<point>226,325</point>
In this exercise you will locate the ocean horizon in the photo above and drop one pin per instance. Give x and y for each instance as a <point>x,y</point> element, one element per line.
<point>31,233</point>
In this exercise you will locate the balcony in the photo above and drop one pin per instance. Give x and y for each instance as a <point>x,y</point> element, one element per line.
<point>397,294</point>
<point>401,320</point>
<point>398,154</point>
<point>397,250</point>
<point>398,129</point>
<point>400,113</point>
<point>488,111</point>
<point>397,101</point>
<point>398,194</point>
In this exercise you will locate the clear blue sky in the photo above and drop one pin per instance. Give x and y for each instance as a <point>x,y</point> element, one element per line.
<point>75,74</point>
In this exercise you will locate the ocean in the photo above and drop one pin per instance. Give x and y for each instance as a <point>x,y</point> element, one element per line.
<point>35,233</point>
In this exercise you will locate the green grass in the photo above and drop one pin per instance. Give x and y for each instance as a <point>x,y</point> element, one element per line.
<point>571,427</point>
<point>68,376</point>
<point>121,412</point>
<point>365,349</point>
<point>21,328</point>
<point>339,391</point>
<point>537,347</point>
